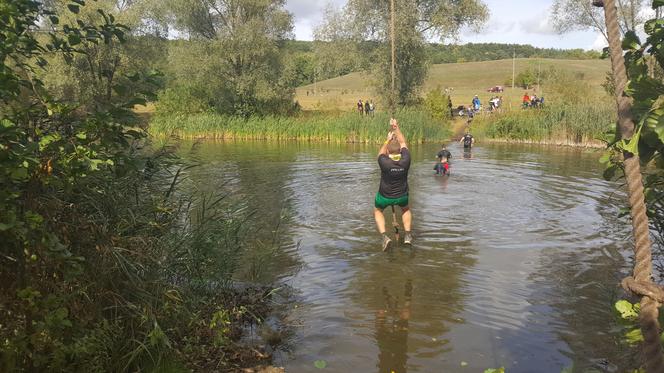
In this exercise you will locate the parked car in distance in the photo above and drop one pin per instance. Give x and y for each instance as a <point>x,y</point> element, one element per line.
<point>495,89</point>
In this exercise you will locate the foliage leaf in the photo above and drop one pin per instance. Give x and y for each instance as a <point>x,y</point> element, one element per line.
<point>73,8</point>
<point>627,310</point>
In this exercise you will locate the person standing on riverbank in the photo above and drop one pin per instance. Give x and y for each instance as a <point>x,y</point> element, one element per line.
<point>394,162</point>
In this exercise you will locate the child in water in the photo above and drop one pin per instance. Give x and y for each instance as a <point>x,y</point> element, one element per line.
<point>442,167</point>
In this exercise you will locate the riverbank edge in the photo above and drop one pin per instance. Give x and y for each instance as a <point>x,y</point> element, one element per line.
<point>216,138</point>
<point>591,145</point>
<point>586,145</point>
<point>459,127</point>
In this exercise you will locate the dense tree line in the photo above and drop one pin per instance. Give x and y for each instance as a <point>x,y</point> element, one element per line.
<point>441,53</point>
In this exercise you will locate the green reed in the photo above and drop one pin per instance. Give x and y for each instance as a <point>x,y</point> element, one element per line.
<point>417,125</point>
<point>581,123</point>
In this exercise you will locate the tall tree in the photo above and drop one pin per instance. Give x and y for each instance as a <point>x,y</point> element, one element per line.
<point>416,22</point>
<point>244,37</point>
<point>570,15</point>
<point>93,76</point>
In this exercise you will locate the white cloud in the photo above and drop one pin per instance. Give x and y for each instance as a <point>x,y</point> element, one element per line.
<point>600,43</point>
<point>513,21</point>
<point>538,25</point>
<point>307,14</point>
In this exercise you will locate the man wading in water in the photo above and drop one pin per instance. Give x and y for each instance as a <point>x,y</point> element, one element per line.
<point>394,162</point>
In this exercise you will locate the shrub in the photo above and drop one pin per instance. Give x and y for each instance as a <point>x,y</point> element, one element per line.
<point>438,104</point>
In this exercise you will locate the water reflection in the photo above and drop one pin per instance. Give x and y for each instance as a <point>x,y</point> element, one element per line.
<point>515,260</point>
<point>392,330</point>
<point>244,173</point>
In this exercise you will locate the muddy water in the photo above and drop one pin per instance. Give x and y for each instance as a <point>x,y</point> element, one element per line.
<point>515,262</point>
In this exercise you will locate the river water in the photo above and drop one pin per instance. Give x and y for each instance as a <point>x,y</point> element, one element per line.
<point>516,260</point>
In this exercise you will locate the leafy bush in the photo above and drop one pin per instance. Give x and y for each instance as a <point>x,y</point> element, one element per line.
<point>181,100</point>
<point>524,79</point>
<point>438,104</point>
<point>106,263</point>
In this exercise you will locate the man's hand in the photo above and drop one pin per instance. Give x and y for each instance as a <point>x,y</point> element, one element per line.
<point>390,136</point>
<point>394,125</point>
<point>397,132</point>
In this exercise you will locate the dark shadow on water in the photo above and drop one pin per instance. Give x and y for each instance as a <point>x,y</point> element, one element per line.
<point>392,330</point>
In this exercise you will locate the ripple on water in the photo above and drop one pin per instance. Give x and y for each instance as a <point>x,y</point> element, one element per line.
<point>515,263</point>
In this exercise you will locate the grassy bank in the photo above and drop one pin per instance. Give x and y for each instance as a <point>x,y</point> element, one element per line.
<point>565,124</point>
<point>417,125</point>
<point>465,79</point>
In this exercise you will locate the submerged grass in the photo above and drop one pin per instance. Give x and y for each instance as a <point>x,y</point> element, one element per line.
<point>417,125</point>
<point>564,124</point>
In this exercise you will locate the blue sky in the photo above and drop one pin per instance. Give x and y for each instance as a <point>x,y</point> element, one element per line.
<point>512,21</point>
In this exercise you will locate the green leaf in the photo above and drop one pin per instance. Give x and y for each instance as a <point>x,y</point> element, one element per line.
<point>633,337</point>
<point>605,158</point>
<point>631,41</point>
<point>73,8</point>
<point>626,309</point>
<point>46,140</point>
<point>651,25</point>
<point>610,172</point>
<point>499,370</point>
<point>632,145</point>
<point>320,364</point>
<point>19,174</point>
<point>5,227</point>
<point>74,39</point>
<point>657,3</point>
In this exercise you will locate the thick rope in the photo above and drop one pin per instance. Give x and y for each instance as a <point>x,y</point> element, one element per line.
<point>393,67</point>
<point>641,283</point>
<point>393,37</point>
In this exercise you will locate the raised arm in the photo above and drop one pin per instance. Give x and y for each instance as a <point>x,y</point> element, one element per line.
<point>398,133</point>
<point>383,149</point>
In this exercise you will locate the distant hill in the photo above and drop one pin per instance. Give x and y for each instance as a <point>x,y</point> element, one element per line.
<point>474,52</point>
<point>464,80</point>
<point>301,56</point>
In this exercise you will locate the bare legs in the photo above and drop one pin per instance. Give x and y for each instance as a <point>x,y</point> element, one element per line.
<point>380,220</point>
<point>406,216</point>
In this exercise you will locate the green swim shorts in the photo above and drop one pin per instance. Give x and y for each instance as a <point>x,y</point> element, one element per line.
<point>383,202</point>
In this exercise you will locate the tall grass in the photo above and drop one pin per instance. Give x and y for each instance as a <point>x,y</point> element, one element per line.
<point>575,114</point>
<point>561,124</point>
<point>417,125</point>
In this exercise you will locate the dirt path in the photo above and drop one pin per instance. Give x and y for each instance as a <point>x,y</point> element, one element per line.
<point>458,127</point>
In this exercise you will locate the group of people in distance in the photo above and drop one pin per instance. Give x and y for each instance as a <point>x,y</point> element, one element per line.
<point>394,162</point>
<point>532,101</point>
<point>366,108</point>
<point>495,103</point>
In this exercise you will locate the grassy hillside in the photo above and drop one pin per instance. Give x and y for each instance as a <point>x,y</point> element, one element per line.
<point>464,80</point>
